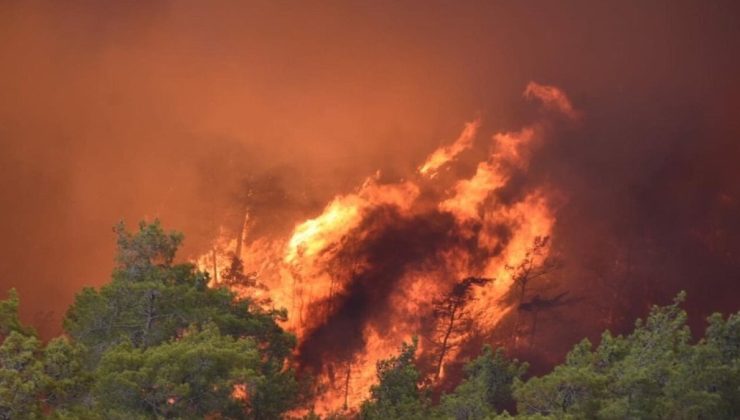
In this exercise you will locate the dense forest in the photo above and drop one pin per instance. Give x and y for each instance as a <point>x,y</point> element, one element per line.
<point>158,342</point>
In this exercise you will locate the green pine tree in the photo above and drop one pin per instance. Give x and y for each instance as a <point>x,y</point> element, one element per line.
<point>487,388</point>
<point>397,394</point>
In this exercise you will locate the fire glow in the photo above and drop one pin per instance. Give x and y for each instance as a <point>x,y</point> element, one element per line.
<point>363,276</point>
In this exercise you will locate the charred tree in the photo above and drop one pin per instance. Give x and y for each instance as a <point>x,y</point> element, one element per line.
<point>215,265</point>
<point>452,317</point>
<point>346,386</point>
<point>242,234</point>
<point>538,304</point>
<point>236,278</point>
<point>533,268</point>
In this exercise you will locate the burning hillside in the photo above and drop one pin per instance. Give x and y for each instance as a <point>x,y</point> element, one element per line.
<point>317,158</point>
<point>434,256</point>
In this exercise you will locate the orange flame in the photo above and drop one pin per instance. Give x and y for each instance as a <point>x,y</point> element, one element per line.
<point>295,269</point>
<point>445,154</point>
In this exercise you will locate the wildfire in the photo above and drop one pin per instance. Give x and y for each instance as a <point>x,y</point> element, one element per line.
<point>445,154</point>
<point>342,214</point>
<point>362,276</point>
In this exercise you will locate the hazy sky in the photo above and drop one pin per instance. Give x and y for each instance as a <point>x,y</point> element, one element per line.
<point>127,110</point>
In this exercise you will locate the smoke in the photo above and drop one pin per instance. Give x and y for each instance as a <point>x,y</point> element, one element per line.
<point>365,274</point>
<point>552,97</point>
<point>127,112</point>
<point>392,246</point>
<point>191,114</point>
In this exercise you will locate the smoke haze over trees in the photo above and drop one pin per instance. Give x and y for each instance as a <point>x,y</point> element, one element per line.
<point>169,109</point>
<point>253,125</point>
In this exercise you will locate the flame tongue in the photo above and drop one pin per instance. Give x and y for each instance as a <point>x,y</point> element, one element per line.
<point>361,277</point>
<point>445,154</point>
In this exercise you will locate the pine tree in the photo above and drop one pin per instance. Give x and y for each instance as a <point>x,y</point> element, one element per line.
<point>397,394</point>
<point>486,389</point>
<point>452,317</point>
<point>152,312</point>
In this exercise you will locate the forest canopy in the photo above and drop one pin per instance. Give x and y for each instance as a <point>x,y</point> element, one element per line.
<point>158,342</point>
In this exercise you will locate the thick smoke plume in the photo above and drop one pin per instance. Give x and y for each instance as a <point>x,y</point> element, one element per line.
<point>198,115</point>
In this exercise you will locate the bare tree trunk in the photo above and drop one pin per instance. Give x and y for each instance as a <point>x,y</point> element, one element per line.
<point>517,318</point>
<point>294,313</point>
<point>534,329</point>
<point>346,386</point>
<point>215,266</point>
<point>330,301</point>
<point>445,339</point>
<point>242,235</point>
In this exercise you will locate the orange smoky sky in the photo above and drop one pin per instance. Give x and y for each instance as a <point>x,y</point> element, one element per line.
<point>133,110</point>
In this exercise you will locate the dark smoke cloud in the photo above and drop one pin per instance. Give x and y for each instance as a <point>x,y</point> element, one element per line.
<point>179,109</point>
<point>392,245</point>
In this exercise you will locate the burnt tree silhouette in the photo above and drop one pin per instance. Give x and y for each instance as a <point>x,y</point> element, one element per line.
<point>235,278</point>
<point>534,267</point>
<point>537,304</point>
<point>452,317</point>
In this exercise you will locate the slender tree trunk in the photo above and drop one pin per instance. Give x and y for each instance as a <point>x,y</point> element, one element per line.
<point>534,329</point>
<point>242,235</point>
<point>149,316</point>
<point>215,266</point>
<point>522,296</point>
<point>294,297</point>
<point>346,386</point>
<point>330,301</point>
<point>302,301</point>
<point>445,339</point>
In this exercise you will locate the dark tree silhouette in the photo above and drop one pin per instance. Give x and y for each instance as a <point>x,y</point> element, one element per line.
<point>452,317</point>
<point>235,278</point>
<point>533,268</point>
<point>538,304</point>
